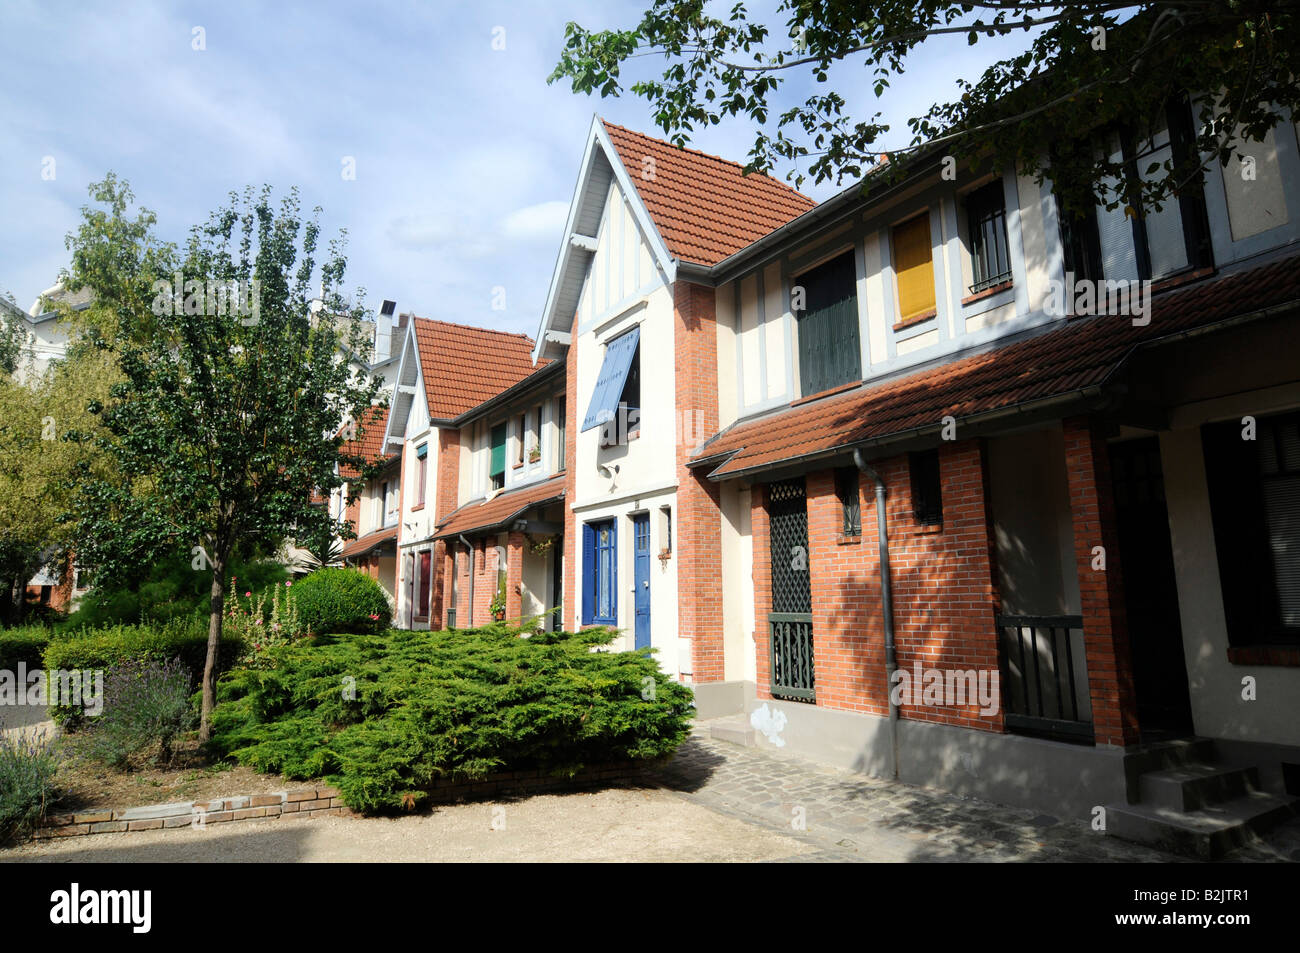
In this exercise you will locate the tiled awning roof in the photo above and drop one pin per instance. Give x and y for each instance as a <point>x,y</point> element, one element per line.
<point>481,516</point>
<point>364,544</point>
<point>1073,356</point>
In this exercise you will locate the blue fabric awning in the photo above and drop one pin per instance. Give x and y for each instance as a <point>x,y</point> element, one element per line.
<point>613,375</point>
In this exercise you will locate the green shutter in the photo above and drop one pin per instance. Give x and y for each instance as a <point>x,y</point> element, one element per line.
<point>829,352</point>
<point>498,449</point>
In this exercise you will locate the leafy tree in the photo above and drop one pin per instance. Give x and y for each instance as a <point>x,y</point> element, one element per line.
<point>1087,65</point>
<point>13,336</point>
<point>226,419</point>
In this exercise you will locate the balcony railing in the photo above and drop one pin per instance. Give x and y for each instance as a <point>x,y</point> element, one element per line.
<point>1045,677</point>
<point>791,648</point>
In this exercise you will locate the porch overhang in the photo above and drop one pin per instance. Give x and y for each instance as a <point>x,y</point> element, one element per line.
<point>503,511</point>
<point>372,543</point>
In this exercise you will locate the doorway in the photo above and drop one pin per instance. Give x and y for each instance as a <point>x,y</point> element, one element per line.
<point>1150,589</point>
<point>641,579</point>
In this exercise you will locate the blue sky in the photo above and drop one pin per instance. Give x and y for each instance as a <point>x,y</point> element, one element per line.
<point>465,158</point>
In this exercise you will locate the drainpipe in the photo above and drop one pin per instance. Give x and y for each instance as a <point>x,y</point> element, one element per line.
<point>469,548</point>
<point>886,600</point>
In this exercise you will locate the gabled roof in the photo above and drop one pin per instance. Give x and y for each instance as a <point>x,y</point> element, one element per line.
<point>368,442</point>
<point>464,366</point>
<point>704,207</point>
<point>478,516</point>
<point>1075,357</point>
<point>694,209</point>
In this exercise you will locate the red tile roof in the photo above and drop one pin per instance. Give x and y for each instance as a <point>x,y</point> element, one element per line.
<point>1075,355</point>
<point>464,366</point>
<point>364,544</point>
<point>704,207</point>
<point>368,441</point>
<point>500,509</point>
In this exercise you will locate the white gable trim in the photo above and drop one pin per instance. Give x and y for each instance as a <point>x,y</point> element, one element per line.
<point>573,250</point>
<point>401,412</point>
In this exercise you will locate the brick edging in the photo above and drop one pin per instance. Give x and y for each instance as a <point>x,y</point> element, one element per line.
<point>303,802</point>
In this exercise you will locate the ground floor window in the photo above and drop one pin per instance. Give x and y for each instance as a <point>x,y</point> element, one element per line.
<point>422,584</point>
<point>1252,468</point>
<point>600,573</point>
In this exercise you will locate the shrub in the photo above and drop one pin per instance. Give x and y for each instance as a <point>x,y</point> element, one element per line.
<point>23,644</point>
<point>382,716</point>
<point>28,762</point>
<point>169,591</point>
<point>107,648</point>
<point>146,703</point>
<point>262,624</point>
<point>340,600</point>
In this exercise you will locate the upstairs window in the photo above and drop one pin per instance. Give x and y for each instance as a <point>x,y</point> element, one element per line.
<point>421,472</point>
<point>914,270</point>
<point>523,439</point>
<point>986,222</point>
<point>561,421</point>
<point>846,489</point>
<point>927,494</point>
<point>615,402</point>
<point>497,457</point>
<point>824,302</point>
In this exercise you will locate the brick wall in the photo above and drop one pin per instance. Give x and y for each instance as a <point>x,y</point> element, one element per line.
<point>698,531</point>
<point>1101,592</point>
<point>945,599</point>
<point>444,502</point>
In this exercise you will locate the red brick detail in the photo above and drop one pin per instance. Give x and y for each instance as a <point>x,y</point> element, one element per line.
<point>699,512</point>
<point>1101,593</point>
<point>945,598</point>
<point>445,498</point>
<point>514,576</point>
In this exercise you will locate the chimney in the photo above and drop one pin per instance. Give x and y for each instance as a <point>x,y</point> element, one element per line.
<point>384,331</point>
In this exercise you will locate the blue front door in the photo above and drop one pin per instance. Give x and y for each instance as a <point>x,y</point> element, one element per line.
<point>641,578</point>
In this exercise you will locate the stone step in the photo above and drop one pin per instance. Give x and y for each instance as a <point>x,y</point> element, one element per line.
<point>733,728</point>
<point>1171,754</point>
<point>1208,832</point>
<point>1194,785</point>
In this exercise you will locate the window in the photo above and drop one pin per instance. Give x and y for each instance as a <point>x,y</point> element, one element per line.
<point>421,472</point>
<point>423,582</point>
<point>666,527</point>
<point>522,426</point>
<point>913,269</point>
<point>600,573</point>
<point>927,497</point>
<point>612,381</point>
<point>381,506</point>
<point>560,423</point>
<point>1254,488</point>
<point>391,500</point>
<point>846,488</point>
<point>1108,244</point>
<point>826,313</point>
<point>629,401</point>
<point>535,437</point>
<point>986,222</point>
<point>497,457</point>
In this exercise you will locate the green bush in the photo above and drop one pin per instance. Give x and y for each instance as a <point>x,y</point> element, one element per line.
<point>171,590</point>
<point>382,716</point>
<point>107,648</point>
<point>331,601</point>
<point>28,762</point>
<point>23,644</point>
<point>146,705</point>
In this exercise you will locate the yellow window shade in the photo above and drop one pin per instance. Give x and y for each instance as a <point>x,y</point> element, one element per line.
<point>913,268</point>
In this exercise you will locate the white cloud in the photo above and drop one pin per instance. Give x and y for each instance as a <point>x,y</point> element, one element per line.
<point>543,222</point>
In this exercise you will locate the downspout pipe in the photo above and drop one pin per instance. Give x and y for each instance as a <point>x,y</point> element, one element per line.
<point>469,549</point>
<point>886,599</point>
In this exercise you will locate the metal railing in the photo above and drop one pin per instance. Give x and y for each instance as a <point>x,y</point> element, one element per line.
<point>791,654</point>
<point>1041,676</point>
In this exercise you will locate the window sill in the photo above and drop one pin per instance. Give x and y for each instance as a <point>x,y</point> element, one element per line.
<point>986,293</point>
<point>417,507</point>
<point>1264,655</point>
<point>843,540</point>
<point>915,319</point>
<point>826,393</point>
<point>927,529</point>
<point>516,466</point>
<point>1180,278</point>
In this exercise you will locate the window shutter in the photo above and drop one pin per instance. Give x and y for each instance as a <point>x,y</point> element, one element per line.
<point>588,573</point>
<point>829,350</point>
<point>913,268</point>
<point>498,463</point>
<point>609,383</point>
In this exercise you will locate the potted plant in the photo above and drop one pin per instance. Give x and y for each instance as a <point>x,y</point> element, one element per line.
<point>498,605</point>
<point>534,454</point>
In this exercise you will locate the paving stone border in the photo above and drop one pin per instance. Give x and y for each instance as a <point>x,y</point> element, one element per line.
<point>304,802</point>
<point>325,801</point>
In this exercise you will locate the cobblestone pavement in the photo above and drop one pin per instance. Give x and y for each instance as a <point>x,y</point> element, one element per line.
<point>850,817</point>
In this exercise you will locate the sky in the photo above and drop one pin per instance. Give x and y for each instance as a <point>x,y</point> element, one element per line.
<point>465,158</point>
